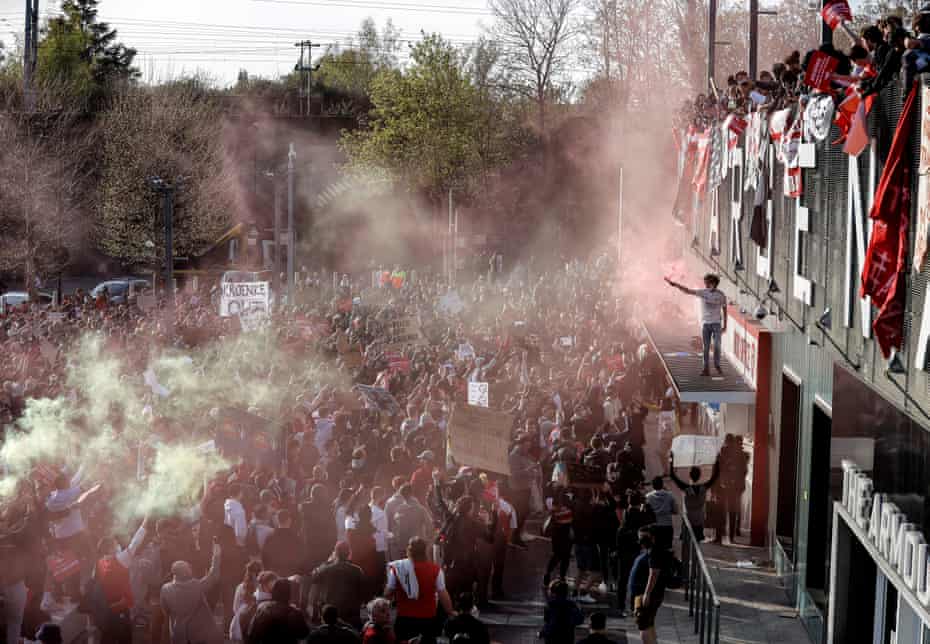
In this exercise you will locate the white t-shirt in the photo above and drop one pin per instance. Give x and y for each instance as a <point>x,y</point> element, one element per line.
<point>712,301</point>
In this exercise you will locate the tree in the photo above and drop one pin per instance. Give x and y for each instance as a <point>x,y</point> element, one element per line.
<point>79,49</point>
<point>534,37</point>
<point>41,174</point>
<point>423,125</point>
<point>345,74</point>
<point>173,131</point>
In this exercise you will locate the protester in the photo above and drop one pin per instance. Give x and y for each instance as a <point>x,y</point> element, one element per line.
<point>664,507</point>
<point>185,603</point>
<point>283,549</point>
<point>378,629</point>
<point>647,583</point>
<point>333,630</point>
<point>713,316</point>
<point>561,615</point>
<point>560,532</point>
<point>598,630</point>
<point>638,515</point>
<point>417,586</point>
<point>465,626</point>
<point>276,621</point>
<point>695,494</point>
<point>342,584</point>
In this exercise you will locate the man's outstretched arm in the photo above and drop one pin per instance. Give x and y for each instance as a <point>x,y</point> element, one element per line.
<point>683,289</point>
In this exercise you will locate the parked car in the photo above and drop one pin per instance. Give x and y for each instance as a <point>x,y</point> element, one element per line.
<point>119,289</point>
<point>12,299</point>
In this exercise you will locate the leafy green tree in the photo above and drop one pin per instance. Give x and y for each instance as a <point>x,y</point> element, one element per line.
<point>173,131</point>
<point>79,49</point>
<point>424,122</point>
<point>345,75</point>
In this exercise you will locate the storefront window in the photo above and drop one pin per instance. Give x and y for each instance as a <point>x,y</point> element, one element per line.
<point>881,439</point>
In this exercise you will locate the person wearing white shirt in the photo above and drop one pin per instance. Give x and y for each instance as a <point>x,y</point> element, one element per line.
<point>234,515</point>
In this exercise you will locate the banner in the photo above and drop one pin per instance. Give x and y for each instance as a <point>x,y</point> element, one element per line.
<point>885,268</point>
<point>692,450</point>
<point>836,13</point>
<point>480,438</point>
<point>478,394</point>
<point>820,69</point>
<point>923,186</point>
<point>244,297</point>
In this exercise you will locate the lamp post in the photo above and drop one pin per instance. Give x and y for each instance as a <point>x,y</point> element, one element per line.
<point>165,189</point>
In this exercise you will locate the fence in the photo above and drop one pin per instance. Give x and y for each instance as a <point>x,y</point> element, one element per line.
<point>703,603</point>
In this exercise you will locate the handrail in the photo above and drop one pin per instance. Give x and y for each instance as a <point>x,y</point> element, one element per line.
<point>703,602</point>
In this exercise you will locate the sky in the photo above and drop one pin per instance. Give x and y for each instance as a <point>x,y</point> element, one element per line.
<point>220,37</point>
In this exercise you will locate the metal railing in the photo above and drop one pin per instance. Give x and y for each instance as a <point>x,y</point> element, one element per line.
<point>703,603</point>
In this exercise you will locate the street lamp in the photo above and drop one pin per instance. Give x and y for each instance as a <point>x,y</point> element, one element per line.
<point>166,190</point>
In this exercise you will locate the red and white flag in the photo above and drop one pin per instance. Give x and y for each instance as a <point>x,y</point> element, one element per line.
<point>836,13</point>
<point>886,258</point>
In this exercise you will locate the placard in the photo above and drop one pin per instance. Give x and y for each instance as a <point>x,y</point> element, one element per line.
<point>580,475</point>
<point>836,13</point>
<point>820,70</point>
<point>478,394</point>
<point>244,297</point>
<point>480,438</point>
<point>692,450</point>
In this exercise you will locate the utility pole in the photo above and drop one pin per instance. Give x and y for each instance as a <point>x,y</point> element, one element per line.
<point>451,268</point>
<point>306,69</point>
<point>826,34</point>
<point>165,189</point>
<point>711,44</point>
<point>30,53</point>
<point>753,39</point>
<point>276,264</point>
<point>754,13</point>
<point>291,233</point>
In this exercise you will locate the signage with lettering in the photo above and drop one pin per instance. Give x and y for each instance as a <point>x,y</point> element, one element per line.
<point>881,524</point>
<point>240,298</point>
<point>740,343</point>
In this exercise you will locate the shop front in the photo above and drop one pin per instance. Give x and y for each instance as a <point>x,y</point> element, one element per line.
<point>879,567</point>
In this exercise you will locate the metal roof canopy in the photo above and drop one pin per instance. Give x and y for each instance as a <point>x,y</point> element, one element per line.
<point>684,365</point>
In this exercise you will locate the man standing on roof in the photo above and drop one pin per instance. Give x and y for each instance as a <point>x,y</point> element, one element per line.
<point>713,316</point>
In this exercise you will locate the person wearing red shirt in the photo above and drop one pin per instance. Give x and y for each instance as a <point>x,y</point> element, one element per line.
<point>112,575</point>
<point>415,584</point>
<point>422,478</point>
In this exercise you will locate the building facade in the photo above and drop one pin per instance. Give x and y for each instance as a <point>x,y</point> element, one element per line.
<point>825,394</point>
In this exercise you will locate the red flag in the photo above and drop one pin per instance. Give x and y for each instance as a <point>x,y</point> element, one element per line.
<point>886,257</point>
<point>820,70</point>
<point>836,13</point>
<point>858,135</point>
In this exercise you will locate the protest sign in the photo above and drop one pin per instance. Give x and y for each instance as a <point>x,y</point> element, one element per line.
<point>465,351</point>
<point>567,341</point>
<point>820,69</point>
<point>478,394</point>
<point>244,297</point>
<point>480,438</point>
<point>378,398</point>
<point>691,450</point>
<point>836,13</point>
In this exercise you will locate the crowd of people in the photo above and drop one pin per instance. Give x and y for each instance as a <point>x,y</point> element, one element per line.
<point>354,521</point>
<point>879,54</point>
